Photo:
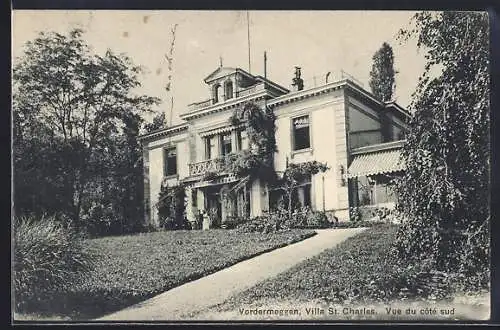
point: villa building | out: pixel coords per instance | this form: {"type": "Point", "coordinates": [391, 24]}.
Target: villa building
{"type": "Point", "coordinates": [338, 123]}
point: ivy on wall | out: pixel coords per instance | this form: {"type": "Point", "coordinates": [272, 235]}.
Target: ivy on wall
{"type": "Point", "coordinates": [257, 162]}
{"type": "Point", "coordinates": [260, 128]}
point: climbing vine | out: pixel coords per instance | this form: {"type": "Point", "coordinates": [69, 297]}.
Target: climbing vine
{"type": "Point", "coordinates": [294, 175]}
{"type": "Point", "coordinates": [260, 128]}
{"type": "Point", "coordinates": [258, 160]}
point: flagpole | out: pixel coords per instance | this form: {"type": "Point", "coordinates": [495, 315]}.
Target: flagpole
{"type": "Point", "coordinates": [248, 38]}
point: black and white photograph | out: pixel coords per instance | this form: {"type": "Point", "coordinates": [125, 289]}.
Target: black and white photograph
{"type": "Point", "coordinates": [250, 165]}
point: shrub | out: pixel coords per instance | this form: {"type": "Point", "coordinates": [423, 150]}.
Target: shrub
{"type": "Point", "coordinates": [317, 219]}
{"type": "Point", "coordinates": [370, 213]}
{"type": "Point", "coordinates": [259, 224]}
{"type": "Point", "coordinates": [354, 214]}
{"type": "Point", "coordinates": [306, 218]}
{"type": "Point", "coordinates": [47, 257]}
{"type": "Point", "coordinates": [303, 218]}
{"type": "Point", "coordinates": [233, 222]}
{"type": "Point", "coordinates": [99, 220]}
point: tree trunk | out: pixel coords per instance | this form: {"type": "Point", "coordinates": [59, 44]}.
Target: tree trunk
{"type": "Point", "coordinates": [290, 194]}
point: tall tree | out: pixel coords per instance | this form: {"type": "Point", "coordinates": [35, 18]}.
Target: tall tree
{"type": "Point", "coordinates": [70, 108]}
{"type": "Point", "coordinates": [444, 195]}
{"type": "Point", "coordinates": [382, 75]}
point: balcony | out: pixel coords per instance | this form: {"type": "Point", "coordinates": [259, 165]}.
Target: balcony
{"type": "Point", "coordinates": [215, 165]}
{"type": "Point", "coordinates": [199, 105]}
{"type": "Point", "coordinates": [250, 90]}
{"type": "Point", "coordinates": [239, 93]}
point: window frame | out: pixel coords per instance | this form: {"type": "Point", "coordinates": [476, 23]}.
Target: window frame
{"type": "Point", "coordinates": [228, 83]}
{"type": "Point", "coordinates": [309, 148]}
{"type": "Point", "coordinates": [166, 161]}
{"type": "Point", "coordinates": [222, 144]}
{"type": "Point", "coordinates": [208, 147]}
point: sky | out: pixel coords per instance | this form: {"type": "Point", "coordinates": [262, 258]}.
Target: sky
{"type": "Point", "coordinates": [317, 41]}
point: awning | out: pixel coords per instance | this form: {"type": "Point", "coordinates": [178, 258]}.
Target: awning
{"type": "Point", "coordinates": [219, 130]}
{"type": "Point", "coordinates": [197, 181]}
{"type": "Point", "coordinates": [373, 163]}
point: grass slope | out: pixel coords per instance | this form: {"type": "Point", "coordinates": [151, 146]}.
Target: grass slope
{"type": "Point", "coordinates": [332, 276]}
{"type": "Point", "coordinates": [133, 268]}
{"type": "Point", "coordinates": [345, 276]}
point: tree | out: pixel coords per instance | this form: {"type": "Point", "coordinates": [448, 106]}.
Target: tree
{"type": "Point", "coordinates": [72, 111]}
{"type": "Point", "coordinates": [382, 75]}
{"type": "Point", "coordinates": [295, 174]}
{"type": "Point", "coordinates": [157, 123]}
{"type": "Point", "coordinates": [444, 194]}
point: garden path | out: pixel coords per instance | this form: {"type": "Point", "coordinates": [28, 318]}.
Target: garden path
{"type": "Point", "coordinates": [217, 287]}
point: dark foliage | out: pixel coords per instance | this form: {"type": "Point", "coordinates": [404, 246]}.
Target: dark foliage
{"type": "Point", "coordinates": [48, 257]}
{"type": "Point", "coordinates": [76, 123]}
{"type": "Point", "coordinates": [444, 194]}
{"type": "Point", "coordinates": [382, 75]}
{"type": "Point", "coordinates": [171, 208]}
{"type": "Point", "coordinates": [257, 162]}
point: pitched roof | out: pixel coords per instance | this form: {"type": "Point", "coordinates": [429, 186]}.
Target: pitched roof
{"type": "Point", "coordinates": [224, 71]}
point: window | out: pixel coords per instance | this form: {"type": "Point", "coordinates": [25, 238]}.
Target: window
{"type": "Point", "coordinates": [216, 93]}
{"type": "Point", "coordinates": [226, 144]}
{"type": "Point", "coordinates": [238, 140]}
{"type": "Point", "coordinates": [301, 197]}
{"type": "Point", "coordinates": [194, 198]}
{"type": "Point", "coordinates": [305, 193]}
{"type": "Point", "coordinates": [244, 140]}
{"type": "Point", "coordinates": [228, 90]}
{"type": "Point", "coordinates": [301, 134]}
{"type": "Point", "coordinates": [169, 161]}
{"type": "Point", "coordinates": [210, 148]}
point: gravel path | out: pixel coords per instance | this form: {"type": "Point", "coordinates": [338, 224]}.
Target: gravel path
{"type": "Point", "coordinates": [217, 287]}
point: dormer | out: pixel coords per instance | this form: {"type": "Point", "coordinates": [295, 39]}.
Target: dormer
{"type": "Point", "coordinates": [229, 87]}
{"type": "Point", "coordinates": [226, 83]}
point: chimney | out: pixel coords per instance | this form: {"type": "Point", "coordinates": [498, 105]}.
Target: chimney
{"type": "Point", "coordinates": [298, 83]}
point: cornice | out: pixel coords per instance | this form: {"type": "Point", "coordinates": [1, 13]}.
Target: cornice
{"type": "Point", "coordinates": [233, 103]}
{"type": "Point", "coordinates": [163, 132]}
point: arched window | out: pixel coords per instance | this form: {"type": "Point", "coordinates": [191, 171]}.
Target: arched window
{"type": "Point", "coordinates": [216, 93]}
{"type": "Point", "coordinates": [228, 89]}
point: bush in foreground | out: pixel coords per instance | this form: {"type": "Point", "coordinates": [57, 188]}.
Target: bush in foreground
{"type": "Point", "coordinates": [47, 257]}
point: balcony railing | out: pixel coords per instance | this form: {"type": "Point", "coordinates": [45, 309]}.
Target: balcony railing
{"type": "Point", "coordinates": [199, 105]}
{"type": "Point", "coordinates": [215, 165]}
{"type": "Point", "coordinates": [250, 90]}
{"type": "Point", "coordinates": [240, 93]}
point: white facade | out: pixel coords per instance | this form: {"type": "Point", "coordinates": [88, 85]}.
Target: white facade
{"type": "Point", "coordinates": [324, 123]}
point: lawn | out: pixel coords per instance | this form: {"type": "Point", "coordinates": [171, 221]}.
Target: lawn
{"type": "Point", "coordinates": [344, 276]}
{"type": "Point", "coordinates": [332, 276]}
{"type": "Point", "coordinates": [136, 267]}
